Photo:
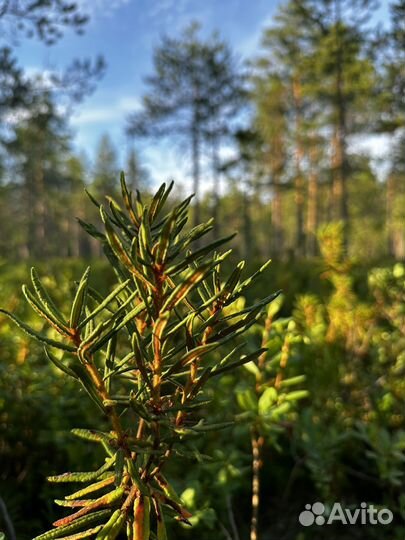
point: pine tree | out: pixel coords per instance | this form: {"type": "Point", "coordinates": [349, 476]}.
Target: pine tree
{"type": "Point", "coordinates": [391, 122]}
{"type": "Point", "coordinates": [105, 167]}
{"type": "Point", "coordinates": [270, 97]}
{"type": "Point", "coordinates": [192, 93]}
{"type": "Point", "coordinates": [285, 54]}
{"type": "Point", "coordinates": [226, 99]}
{"type": "Point", "coordinates": [343, 77]}
{"type": "Point", "coordinates": [45, 21]}
{"type": "Point", "coordinates": [136, 175]}
{"type": "Point", "coordinates": [38, 148]}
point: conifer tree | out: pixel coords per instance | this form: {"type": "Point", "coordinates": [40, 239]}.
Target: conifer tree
{"type": "Point", "coordinates": [194, 90]}
{"type": "Point", "coordinates": [105, 167]}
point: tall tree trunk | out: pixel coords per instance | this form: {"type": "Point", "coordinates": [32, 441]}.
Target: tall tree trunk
{"type": "Point", "coordinates": [395, 228]}
{"type": "Point", "coordinates": [38, 243]}
{"type": "Point", "coordinates": [390, 198]}
{"type": "Point", "coordinates": [195, 141]}
{"type": "Point", "coordinates": [247, 225]}
{"type": "Point", "coordinates": [216, 186]}
{"type": "Point", "coordinates": [277, 217]}
{"type": "Point", "coordinates": [312, 212]}
{"type": "Point", "coordinates": [73, 231]}
{"type": "Point", "coordinates": [339, 183]}
{"type": "Point", "coordinates": [299, 179]}
{"type": "Point", "coordinates": [30, 213]}
{"type": "Point", "coordinates": [399, 243]}
{"type": "Point", "coordinates": [339, 164]}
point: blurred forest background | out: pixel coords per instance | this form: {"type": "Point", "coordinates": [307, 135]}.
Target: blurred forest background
{"type": "Point", "coordinates": [281, 149]}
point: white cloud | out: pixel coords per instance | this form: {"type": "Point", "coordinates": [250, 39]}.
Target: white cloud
{"type": "Point", "coordinates": [250, 44]}
{"type": "Point", "coordinates": [93, 115]}
{"type": "Point", "coordinates": [108, 112]}
{"type": "Point", "coordinates": [173, 15]}
{"type": "Point", "coordinates": [130, 103]}
{"type": "Point", "coordinates": [103, 8]}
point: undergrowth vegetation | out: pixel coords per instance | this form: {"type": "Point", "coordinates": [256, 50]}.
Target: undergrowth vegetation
{"type": "Point", "coordinates": [338, 345]}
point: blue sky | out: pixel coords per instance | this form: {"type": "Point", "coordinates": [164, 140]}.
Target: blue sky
{"type": "Point", "coordinates": [125, 32]}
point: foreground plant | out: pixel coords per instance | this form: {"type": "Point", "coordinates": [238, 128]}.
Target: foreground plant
{"type": "Point", "coordinates": [141, 354]}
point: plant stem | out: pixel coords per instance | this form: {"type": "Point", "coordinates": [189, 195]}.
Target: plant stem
{"type": "Point", "coordinates": [257, 441]}
{"type": "Point", "coordinates": [257, 444]}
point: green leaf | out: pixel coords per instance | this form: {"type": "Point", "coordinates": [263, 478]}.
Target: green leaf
{"type": "Point", "coordinates": [242, 361]}
{"type": "Point", "coordinates": [295, 396]}
{"type": "Point", "coordinates": [134, 473]}
{"type": "Point", "coordinates": [93, 199]}
{"type": "Point", "coordinates": [74, 527]}
{"type": "Point", "coordinates": [189, 356]}
{"type": "Point", "coordinates": [159, 200]}
{"type": "Point", "coordinates": [144, 255]}
{"type": "Point", "coordinates": [119, 250]}
{"type": "Point", "coordinates": [116, 315]}
{"type": "Point", "coordinates": [164, 240]}
{"type": "Point", "coordinates": [245, 284]}
{"type": "Point", "coordinates": [198, 254]}
{"type": "Point", "coordinates": [197, 232]}
{"type": "Point", "coordinates": [202, 427]}
{"type": "Point", "coordinates": [46, 300]}
{"type": "Point", "coordinates": [88, 385]}
{"type": "Point", "coordinates": [126, 195]}
{"type": "Point", "coordinates": [112, 528]}
{"type": "Point", "coordinates": [39, 337]}
{"type": "Point", "coordinates": [59, 364]}
{"type": "Point", "coordinates": [278, 412]}
{"type": "Point", "coordinates": [285, 383]}
{"type": "Point", "coordinates": [79, 300]}
{"type": "Point", "coordinates": [38, 308]}
{"type": "Point", "coordinates": [101, 484]}
{"type": "Point", "coordinates": [275, 306]}
{"type": "Point", "coordinates": [83, 476]}
{"type": "Point", "coordinates": [267, 400]}
{"type": "Point", "coordinates": [120, 218]}
{"type": "Point", "coordinates": [158, 329]}
{"type": "Point", "coordinates": [91, 230]}
{"type": "Point", "coordinates": [242, 324]}
{"type": "Point", "coordinates": [183, 289]}
{"type": "Point", "coordinates": [83, 534]}
{"type": "Point", "coordinates": [161, 527]}
{"type": "Point", "coordinates": [233, 279]}
{"type": "Point", "coordinates": [249, 309]}
{"type": "Point", "coordinates": [247, 399]}
{"type": "Point", "coordinates": [123, 322]}
{"type": "Point", "coordinates": [253, 368]}
{"type": "Point", "coordinates": [90, 435]}
{"type": "Point", "coordinates": [139, 359]}
{"type": "Point", "coordinates": [109, 361]}
{"type": "Point", "coordinates": [105, 500]}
